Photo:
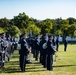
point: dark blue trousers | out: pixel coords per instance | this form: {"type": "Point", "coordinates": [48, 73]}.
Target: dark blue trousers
{"type": "Point", "coordinates": [44, 61]}
{"type": "Point", "coordinates": [37, 53]}
{"type": "Point", "coordinates": [65, 47]}
{"type": "Point", "coordinates": [23, 62]}
{"type": "Point", "coordinates": [49, 62]}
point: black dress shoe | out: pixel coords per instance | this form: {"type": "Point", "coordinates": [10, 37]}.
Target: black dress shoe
{"type": "Point", "coordinates": [23, 70]}
{"type": "Point", "coordinates": [50, 69]}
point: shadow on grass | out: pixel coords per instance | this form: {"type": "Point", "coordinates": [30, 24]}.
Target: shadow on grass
{"type": "Point", "coordinates": [64, 66]}
{"type": "Point", "coordinates": [13, 67]}
{"type": "Point", "coordinates": [15, 56]}
{"type": "Point", "coordinates": [13, 63]}
{"type": "Point", "coordinates": [17, 70]}
{"type": "Point", "coordinates": [10, 70]}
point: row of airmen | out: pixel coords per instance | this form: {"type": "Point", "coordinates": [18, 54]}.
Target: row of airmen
{"type": "Point", "coordinates": [7, 47]}
{"type": "Point", "coordinates": [47, 46]}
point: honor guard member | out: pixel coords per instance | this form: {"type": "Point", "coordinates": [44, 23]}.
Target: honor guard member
{"type": "Point", "coordinates": [4, 42]}
{"type": "Point", "coordinates": [50, 52]}
{"type": "Point", "coordinates": [19, 48]}
{"type": "Point", "coordinates": [37, 47]}
{"type": "Point", "coordinates": [23, 52]}
{"type": "Point", "coordinates": [54, 45]}
{"type": "Point", "coordinates": [54, 40]}
{"type": "Point", "coordinates": [4, 45]}
{"type": "Point", "coordinates": [65, 42]}
{"type": "Point", "coordinates": [19, 44]}
{"type": "Point", "coordinates": [57, 42]}
{"type": "Point", "coordinates": [13, 44]}
{"type": "Point", "coordinates": [33, 47]}
{"type": "Point", "coordinates": [43, 50]}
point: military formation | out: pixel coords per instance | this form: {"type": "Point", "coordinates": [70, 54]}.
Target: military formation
{"type": "Point", "coordinates": [42, 47]}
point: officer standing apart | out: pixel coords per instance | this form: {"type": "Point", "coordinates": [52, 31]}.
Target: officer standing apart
{"type": "Point", "coordinates": [65, 43]}
{"type": "Point", "coordinates": [23, 52]}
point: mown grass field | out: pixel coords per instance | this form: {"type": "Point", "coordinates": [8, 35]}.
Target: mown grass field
{"type": "Point", "coordinates": [65, 65]}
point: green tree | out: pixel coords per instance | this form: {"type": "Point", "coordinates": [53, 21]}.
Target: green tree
{"type": "Point", "coordinates": [34, 29]}
{"type": "Point", "coordinates": [64, 27]}
{"type": "Point", "coordinates": [13, 30]}
{"type": "Point", "coordinates": [71, 20]}
{"type": "Point", "coordinates": [4, 22]}
{"type": "Point", "coordinates": [72, 30]}
{"type": "Point", "coordinates": [75, 33]}
{"type": "Point", "coordinates": [2, 30]}
{"type": "Point", "coordinates": [45, 25]}
{"type": "Point", "coordinates": [21, 21]}
{"type": "Point", "coordinates": [57, 26]}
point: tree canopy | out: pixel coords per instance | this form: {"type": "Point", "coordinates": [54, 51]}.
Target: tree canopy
{"type": "Point", "coordinates": [23, 23]}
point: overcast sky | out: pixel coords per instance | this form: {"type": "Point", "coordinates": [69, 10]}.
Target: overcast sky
{"type": "Point", "coordinates": [38, 9]}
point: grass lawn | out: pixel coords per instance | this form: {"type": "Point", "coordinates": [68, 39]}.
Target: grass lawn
{"type": "Point", "coordinates": [65, 65]}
